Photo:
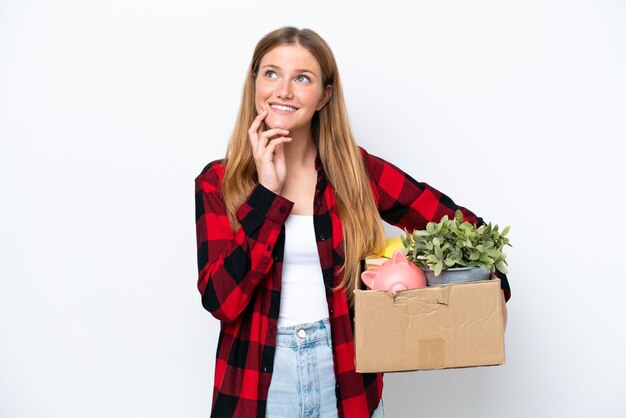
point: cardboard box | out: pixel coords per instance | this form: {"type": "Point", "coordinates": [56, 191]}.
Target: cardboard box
{"type": "Point", "coordinates": [439, 327]}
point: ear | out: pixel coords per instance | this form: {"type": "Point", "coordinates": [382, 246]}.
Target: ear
{"type": "Point", "coordinates": [399, 258]}
{"type": "Point", "coordinates": [328, 91]}
{"type": "Point", "coordinates": [368, 277]}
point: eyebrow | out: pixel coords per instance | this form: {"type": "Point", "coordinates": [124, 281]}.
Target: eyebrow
{"type": "Point", "coordinates": [298, 70]}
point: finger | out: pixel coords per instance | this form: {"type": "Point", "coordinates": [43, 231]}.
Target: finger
{"type": "Point", "coordinates": [268, 154]}
{"type": "Point", "coordinates": [253, 131]}
{"type": "Point", "coordinates": [261, 118]}
{"type": "Point", "coordinates": [274, 132]}
{"type": "Point", "coordinates": [265, 136]}
{"type": "Point", "coordinates": [258, 120]}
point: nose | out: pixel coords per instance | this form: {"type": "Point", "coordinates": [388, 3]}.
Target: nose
{"type": "Point", "coordinates": [284, 90]}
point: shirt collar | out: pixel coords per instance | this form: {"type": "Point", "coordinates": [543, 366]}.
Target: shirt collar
{"type": "Point", "coordinates": [318, 162]}
{"type": "Point", "coordinates": [321, 174]}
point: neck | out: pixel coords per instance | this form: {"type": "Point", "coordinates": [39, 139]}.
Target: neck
{"type": "Point", "coordinates": [300, 152]}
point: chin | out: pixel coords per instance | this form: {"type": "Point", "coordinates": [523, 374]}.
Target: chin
{"type": "Point", "coordinates": [271, 124]}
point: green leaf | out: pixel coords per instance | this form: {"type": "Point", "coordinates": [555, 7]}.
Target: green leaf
{"type": "Point", "coordinates": [455, 229]}
{"type": "Point", "coordinates": [438, 268]}
{"type": "Point", "coordinates": [493, 253]}
{"type": "Point", "coordinates": [501, 266]}
{"type": "Point", "coordinates": [419, 244]}
{"type": "Point", "coordinates": [449, 262]}
{"type": "Point", "coordinates": [421, 233]}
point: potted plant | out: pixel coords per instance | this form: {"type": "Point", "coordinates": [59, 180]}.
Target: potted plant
{"type": "Point", "coordinates": [453, 250]}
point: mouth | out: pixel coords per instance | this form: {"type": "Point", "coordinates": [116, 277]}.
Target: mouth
{"type": "Point", "coordinates": [283, 108]}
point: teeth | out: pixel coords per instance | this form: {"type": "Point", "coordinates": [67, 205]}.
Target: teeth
{"type": "Point", "coordinates": [286, 108]}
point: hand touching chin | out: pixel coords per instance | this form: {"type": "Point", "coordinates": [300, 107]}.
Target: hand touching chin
{"type": "Point", "coordinates": [272, 123]}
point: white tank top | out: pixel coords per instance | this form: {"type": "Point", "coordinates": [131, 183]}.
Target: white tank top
{"type": "Point", "coordinates": [303, 296]}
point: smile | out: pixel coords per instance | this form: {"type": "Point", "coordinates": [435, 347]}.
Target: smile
{"type": "Point", "coordinates": [284, 108]}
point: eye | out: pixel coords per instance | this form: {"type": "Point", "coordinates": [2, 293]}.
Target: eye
{"type": "Point", "coordinates": [303, 79]}
{"type": "Point", "coordinates": [271, 74]}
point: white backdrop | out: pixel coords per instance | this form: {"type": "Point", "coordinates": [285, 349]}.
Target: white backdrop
{"type": "Point", "coordinates": [109, 109]}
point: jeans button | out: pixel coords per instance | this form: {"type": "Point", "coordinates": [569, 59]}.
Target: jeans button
{"type": "Point", "coordinates": [301, 333]}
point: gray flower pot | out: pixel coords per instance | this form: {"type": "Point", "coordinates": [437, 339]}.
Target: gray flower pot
{"type": "Point", "coordinates": [456, 275]}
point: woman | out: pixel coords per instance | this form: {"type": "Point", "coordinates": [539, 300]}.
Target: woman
{"type": "Point", "coordinates": [282, 224]}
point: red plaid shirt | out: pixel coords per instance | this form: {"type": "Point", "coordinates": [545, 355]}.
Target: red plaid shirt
{"type": "Point", "coordinates": [240, 280]}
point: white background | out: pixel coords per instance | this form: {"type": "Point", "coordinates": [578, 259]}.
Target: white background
{"type": "Point", "coordinates": [109, 109]}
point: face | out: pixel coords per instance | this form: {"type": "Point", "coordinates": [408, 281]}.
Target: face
{"type": "Point", "coordinates": [289, 85]}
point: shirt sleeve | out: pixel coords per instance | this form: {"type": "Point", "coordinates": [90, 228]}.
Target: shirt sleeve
{"type": "Point", "coordinates": [406, 203]}
{"type": "Point", "coordinates": [231, 265]}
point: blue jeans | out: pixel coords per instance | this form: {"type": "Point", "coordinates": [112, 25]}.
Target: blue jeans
{"type": "Point", "coordinates": [303, 380]}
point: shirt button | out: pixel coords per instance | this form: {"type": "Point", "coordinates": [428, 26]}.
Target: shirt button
{"type": "Point", "coordinates": [318, 203]}
{"type": "Point", "coordinates": [332, 311]}
{"type": "Point", "coordinates": [301, 333]}
{"type": "Point", "coordinates": [269, 248]}
{"type": "Point", "coordinates": [322, 238]}
{"type": "Point", "coordinates": [282, 210]}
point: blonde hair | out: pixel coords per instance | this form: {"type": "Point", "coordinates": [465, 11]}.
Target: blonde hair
{"type": "Point", "coordinates": [363, 232]}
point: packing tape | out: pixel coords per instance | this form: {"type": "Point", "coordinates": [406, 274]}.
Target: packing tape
{"type": "Point", "coordinates": [437, 295]}
{"type": "Point", "coordinates": [444, 295]}
{"type": "Point", "coordinates": [430, 353]}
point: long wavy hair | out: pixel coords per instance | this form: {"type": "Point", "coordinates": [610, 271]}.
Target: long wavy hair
{"type": "Point", "coordinates": [362, 227]}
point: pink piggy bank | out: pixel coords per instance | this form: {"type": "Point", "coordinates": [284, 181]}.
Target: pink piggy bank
{"type": "Point", "coordinates": [394, 275]}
